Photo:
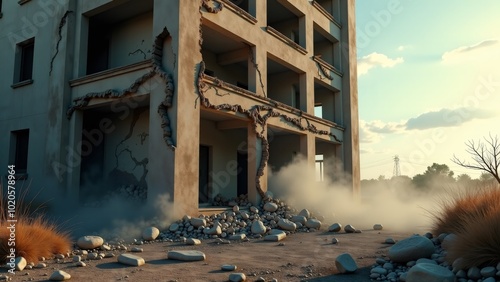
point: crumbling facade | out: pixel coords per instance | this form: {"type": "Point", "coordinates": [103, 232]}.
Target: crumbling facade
{"type": "Point", "coordinates": [190, 98]}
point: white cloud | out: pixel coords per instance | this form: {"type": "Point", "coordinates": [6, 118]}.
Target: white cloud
{"type": "Point", "coordinates": [371, 131]}
{"type": "Point", "coordinates": [447, 118]}
{"type": "Point", "coordinates": [472, 51]}
{"type": "Point", "coordinates": [376, 60]}
{"type": "Point", "coordinates": [403, 47]}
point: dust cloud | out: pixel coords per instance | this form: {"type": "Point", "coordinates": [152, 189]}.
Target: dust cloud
{"type": "Point", "coordinates": [402, 209]}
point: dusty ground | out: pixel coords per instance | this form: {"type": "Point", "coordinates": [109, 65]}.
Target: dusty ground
{"type": "Point", "coordinates": [304, 257]}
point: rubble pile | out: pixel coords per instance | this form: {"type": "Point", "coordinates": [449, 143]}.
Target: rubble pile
{"type": "Point", "coordinates": [423, 258]}
{"type": "Point", "coordinates": [246, 219]}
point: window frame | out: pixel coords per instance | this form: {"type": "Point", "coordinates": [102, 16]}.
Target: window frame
{"type": "Point", "coordinates": [24, 64]}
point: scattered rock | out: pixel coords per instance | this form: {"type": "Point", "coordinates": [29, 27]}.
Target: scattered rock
{"type": "Point", "coordinates": [345, 263]}
{"type": "Point", "coordinates": [80, 264]}
{"type": "Point", "coordinates": [258, 227]}
{"type": "Point", "coordinates": [488, 271]}
{"type": "Point", "coordinates": [275, 237]}
{"type": "Point", "coordinates": [474, 273]}
{"type": "Point", "coordinates": [59, 275]}
{"type": "Point", "coordinates": [336, 227]}
{"type": "Point", "coordinates": [237, 277]}
{"type": "Point", "coordinates": [236, 208]}
{"type": "Point", "coordinates": [300, 219]}
{"type": "Point", "coordinates": [215, 230]}
{"type": "Point", "coordinates": [377, 227]}
{"type": "Point", "coordinates": [429, 273]}
{"type": "Point", "coordinates": [150, 233]}
{"type": "Point", "coordinates": [192, 241]}
{"type": "Point", "coordinates": [228, 267]}
{"type": "Point", "coordinates": [89, 242]}
{"type": "Point", "coordinates": [240, 236]}
{"type": "Point", "coordinates": [305, 213]}
{"type": "Point", "coordinates": [41, 265]}
{"type": "Point", "coordinates": [129, 259]}
{"type": "Point", "coordinates": [77, 258]}
{"type": "Point", "coordinates": [186, 255]}
{"type": "Point", "coordinates": [448, 241]}
{"type": "Point", "coordinates": [20, 263]}
{"type": "Point", "coordinates": [137, 250]}
{"type": "Point", "coordinates": [390, 241]}
{"type": "Point", "coordinates": [313, 223]}
{"type": "Point", "coordinates": [286, 224]}
{"type": "Point", "coordinates": [411, 248]}
{"type": "Point", "coordinates": [270, 207]}
{"type": "Point", "coordinates": [349, 229]}
{"type": "Point", "coordinates": [197, 222]}
{"type": "Point", "coordinates": [335, 240]}
{"type": "Point", "coordinates": [173, 227]}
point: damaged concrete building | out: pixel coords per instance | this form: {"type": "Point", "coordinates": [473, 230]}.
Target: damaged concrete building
{"type": "Point", "coordinates": [190, 98]}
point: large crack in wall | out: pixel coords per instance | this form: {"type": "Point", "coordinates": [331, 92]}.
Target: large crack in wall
{"type": "Point", "coordinates": [62, 22]}
{"type": "Point", "coordinates": [253, 113]}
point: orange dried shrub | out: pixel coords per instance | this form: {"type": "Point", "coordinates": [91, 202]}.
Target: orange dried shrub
{"type": "Point", "coordinates": [474, 216]}
{"type": "Point", "coordinates": [34, 239]}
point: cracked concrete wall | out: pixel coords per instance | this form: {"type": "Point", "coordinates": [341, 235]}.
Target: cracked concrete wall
{"type": "Point", "coordinates": [127, 150]}
{"type": "Point", "coordinates": [129, 36]}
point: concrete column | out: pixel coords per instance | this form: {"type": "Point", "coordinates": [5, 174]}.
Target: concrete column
{"type": "Point", "coordinates": [308, 148]}
{"type": "Point", "coordinates": [257, 71]}
{"type": "Point", "coordinates": [73, 158]}
{"type": "Point", "coordinates": [307, 92]}
{"type": "Point", "coordinates": [254, 158]}
{"type": "Point", "coordinates": [350, 94]}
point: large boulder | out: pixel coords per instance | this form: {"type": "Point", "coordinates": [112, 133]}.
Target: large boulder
{"type": "Point", "coordinates": [411, 248]}
{"type": "Point", "coordinates": [286, 224]}
{"type": "Point", "coordinates": [258, 227]}
{"type": "Point", "coordinates": [150, 233]}
{"type": "Point", "coordinates": [429, 272]}
{"type": "Point", "coordinates": [345, 263]}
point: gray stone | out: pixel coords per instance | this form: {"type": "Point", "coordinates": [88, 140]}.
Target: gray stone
{"type": "Point", "coordinates": [276, 231]}
{"type": "Point", "coordinates": [244, 215]}
{"type": "Point", "coordinates": [137, 250]}
{"type": "Point", "coordinates": [429, 273]}
{"type": "Point", "coordinates": [489, 279]}
{"type": "Point", "coordinates": [215, 230]}
{"type": "Point", "coordinates": [336, 227]}
{"type": "Point", "coordinates": [335, 241]}
{"type": "Point", "coordinates": [305, 213]}
{"type": "Point", "coordinates": [349, 229]}
{"type": "Point", "coordinates": [59, 275]}
{"type": "Point", "coordinates": [275, 237]}
{"type": "Point", "coordinates": [89, 242]}
{"type": "Point", "coordinates": [237, 277]}
{"type": "Point", "coordinates": [345, 263]}
{"type": "Point", "coordinates": [390, 241]}
{"type": "Point", "coordinates": [270, 207]}
{"type": "Point", "coordinates": [192, 241]}
{"type": "Point", "coordinates": [240, 236]}
{"type": "Point", "coordinates": [258, 227]}
{"type": "Point", "coordinates": [228, 267]}
{"type": "Point", "coordinates": [129, 259]}
{"type": "Point", "coordinates": [474, 273]}
{"type": "Point", "coordinates": [286, 224]}
{"type": "Point", "coordinates": [457, 263]}
{"type": "Point", "coordinates": [379, 270]}
{"type": "Point", "coordinates": [41, 265]}
{"type": "Point", "coordinates": [150, 233]}
{"type": "Point", "coordinates": [173, 227]}
{"type": "Point", "coordinates": [80, 264]}
{"type": "Point", "coordinates": [411, 248]}
{"type": "Point", "coordinates": [425, 260]}
{"type": "Point", "coordinates": [236, 208]}
{"type": "Point", "coordinates": [448, 241]}
{"type": "Point", "coordinates": [254, 209]}
{"type": "Point", "coordinates": [299, 218]}
{"type": "Point", "coordinates": [488, 271]}
{"type": "Point", "coordinates": [197, 222]}
{"type": "Point", "coordinates": [77, 258]}
{"type": "Point", "coordinates": [186, 255]}
{"type": "Point", "coordinates": [378, 227]}
{"type": "Point", "coordinates": [93, 256]}
{"type": "Point", "coordinates": [313, 223]}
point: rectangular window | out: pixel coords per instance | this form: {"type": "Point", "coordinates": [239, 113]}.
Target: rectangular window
{"type": "Point", "coordinates": [20, 142]}
{"type": "Point", "coordinates": [0, 8]}
{"type": "Point", "coordinates": [24, 61]}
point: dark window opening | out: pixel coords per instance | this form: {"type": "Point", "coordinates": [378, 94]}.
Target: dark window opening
{"type": "Point", "coordinates": [24, 61]}
{"type": "Point", "coordinates": [242, 85]}
{"type": "Point", "coordinates": [98, 49]}
{"type": "Point", "coordinates": [242, 177]}
{"type": "Point", "coordinates": [209, 72]}
{"type": "Point", "coordinates": [204, 179]}
{"type": "Point", "coordinates": [21, 142]}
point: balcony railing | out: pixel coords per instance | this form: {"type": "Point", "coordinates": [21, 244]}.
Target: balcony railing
{"type": "Point", "coordinates": [286, 40]}
{"type": "Point", "coordinates": [325, 13]}
{"type": "Point", "coordinates": [239, 11]}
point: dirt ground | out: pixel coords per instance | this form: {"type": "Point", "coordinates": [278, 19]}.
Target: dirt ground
{"type": "Point", "coordinates": [300, 257]}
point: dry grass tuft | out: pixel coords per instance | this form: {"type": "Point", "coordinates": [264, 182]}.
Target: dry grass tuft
{"type": "Point", "coordinates": [478, 244]}
{"type": "Point", "coordinates": [35, 236]}
{"type": "Point", "coordinates": [474, 216]}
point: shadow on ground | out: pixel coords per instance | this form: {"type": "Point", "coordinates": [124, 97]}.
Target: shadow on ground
{"type": "Point", "coordinates": [361, 275]}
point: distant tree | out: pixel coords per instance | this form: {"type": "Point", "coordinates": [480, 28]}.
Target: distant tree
{"type": "Point", "coordinates": [464, 178]}
{"type": "Point", "coordinates": [439, 174]}
{"type": "Point", "coordinates": [485, 156]}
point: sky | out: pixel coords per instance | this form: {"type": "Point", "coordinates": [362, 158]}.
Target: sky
{"type": "Point", "coordinates": [428, 81]}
